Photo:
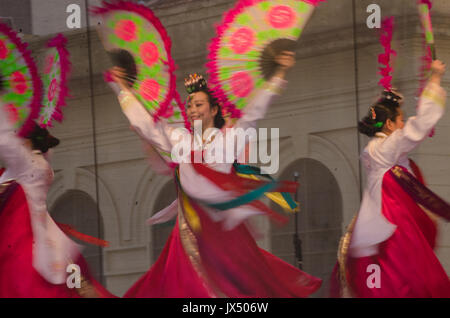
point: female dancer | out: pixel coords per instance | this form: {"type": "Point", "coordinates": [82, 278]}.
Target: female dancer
{"type": "Point", "coordinates": [388, 250]}
{"type": "Point", "coordinates": [211, 253]}
{"type": "Point", "coordinates": [34, 252]}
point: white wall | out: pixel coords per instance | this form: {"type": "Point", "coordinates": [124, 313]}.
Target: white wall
{"type": "Point", "coordinates": [50, 16]}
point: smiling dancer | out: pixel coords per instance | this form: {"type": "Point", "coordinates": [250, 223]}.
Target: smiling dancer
{"type": "Point", "coordinates": [211, 252]}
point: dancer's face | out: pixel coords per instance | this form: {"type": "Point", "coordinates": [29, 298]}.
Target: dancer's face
{"type": "Point", "coordinates": [393, 125]}
{"type": "Point", "coordinates": [199, 108]}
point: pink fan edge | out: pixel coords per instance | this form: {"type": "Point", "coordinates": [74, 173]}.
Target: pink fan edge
{"type": "Point", "coordinates": [385, 57]}
{"type": "Point", "coordinates": [212, 68]}
{"type": "Point", "coordinates": [37, 84]}
{"type": "Point", "coordinates": [151, 17]}
{"type": "Point", "coordinates": [59, 42]}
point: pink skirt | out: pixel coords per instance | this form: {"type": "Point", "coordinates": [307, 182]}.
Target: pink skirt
{"type": "Point", "coordinates": [213, 262]}
{"type": "Point", "coordinates": [18, 278]}
{"type": "Point", "coordinates": [408, 265]}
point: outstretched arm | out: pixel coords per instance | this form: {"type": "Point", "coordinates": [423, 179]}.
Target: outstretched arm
{"type": "Point", "coordinates": [257, 107]}
{"type": "Point", "coordinates": [155, 133]}
{"type": "Point", "coordinates": [13, 152]}
{"type": "Point", "coordinates": [429, 112]}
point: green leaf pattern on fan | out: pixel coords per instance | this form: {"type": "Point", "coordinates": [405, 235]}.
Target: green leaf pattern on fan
{"type": "Point", "coordinates": [51, 80]}
{"type": "Point", "coordinates": [17, 81]}
{"type": "Point", "coordinates": [241, 47]}
{"type": "Point", "coordinates": [152, 79]}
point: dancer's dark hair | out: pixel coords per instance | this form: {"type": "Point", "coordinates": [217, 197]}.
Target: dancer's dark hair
{"type": "Point", "coordinates": [41, 139]}
{"type": "Point", "coordinates": [387, 107]}
{"type": "Point", "coordinates": [196, 83]}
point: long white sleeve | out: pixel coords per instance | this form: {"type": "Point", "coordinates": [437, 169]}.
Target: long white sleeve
{"type": "Point", "coordinates": [256, 110]}
{"type": "Point", "coordinates": [52, 249]}
{"type": "Point", "coordinates": [158, 133]}
{"type": "Point", "coordinates": [13, 153]}
{"type": "Point", "coordinates": [257, 107]}
{"type": "Point", "coordinates": [430, 110]}
{"type": "Point", "coordinates": [380, 155]}
{"type": "Point", "coordinates": [32, 171]}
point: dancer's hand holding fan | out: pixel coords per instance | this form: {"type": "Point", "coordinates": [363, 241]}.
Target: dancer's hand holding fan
{"type": "Point", "coordinates": [251, 35]}
{"type": "Point", "coordinates": [138, 43]}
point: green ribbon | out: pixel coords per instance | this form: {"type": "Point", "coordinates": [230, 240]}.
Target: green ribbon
{"type": "Point", "coordinates": [246, 169]}
{"type": "Point", "coordinates": [248, 197]}
{"type": "Point", "coordinates": [243, 199]}
{"type": "Point", "coordinates": [378, 124]}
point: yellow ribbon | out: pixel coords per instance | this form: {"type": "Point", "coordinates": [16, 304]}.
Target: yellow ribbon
{"type": "Point", "coordinates": [191, 216]}
{"type": "Point", "coordinates": [273, 196]}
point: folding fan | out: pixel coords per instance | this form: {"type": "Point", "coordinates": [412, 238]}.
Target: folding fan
{"type": "Point", "coordinates": [22, 87]}
{"type": "Point", "coordinates": [54, 73]}
{"type": "Point", "coordinates": [251, 35]}
{"type": "Point", "coordinates": [137, 41]}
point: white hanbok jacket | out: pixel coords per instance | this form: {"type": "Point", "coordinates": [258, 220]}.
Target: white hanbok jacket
{"type": "Point", "coordinates": [165, 137]}
{"type": "Point", "coordinates": [52, 250]}
{"type": "Point", "coordinates": [381, 154]}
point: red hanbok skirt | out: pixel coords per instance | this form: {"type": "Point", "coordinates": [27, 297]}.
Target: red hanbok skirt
{"type": "Point", "coordinates": [214, 262]}
{"type": "Point", "coordinates": [409, 268]}
{"type": "Point", "coordinates": [18, 278]}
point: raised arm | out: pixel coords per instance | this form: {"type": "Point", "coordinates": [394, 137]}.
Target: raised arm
{"type": "Point", "coordinates": [429, 112]}
{"type": "Point", "coordinates": [13, 152]}
{"type": "Point", "coordinates": [156, 133]}
{"type": "Point", "coordinates": [257, 107]}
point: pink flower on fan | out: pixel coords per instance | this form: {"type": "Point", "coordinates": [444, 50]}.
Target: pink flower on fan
{"type": "Point", "coordinates": [281, 17]}
{"type": "Point", "coordinates": [52, 90]}
{"type": "Point", "coordinates": [48, 64]}
{"type": "Point", "coordinates": [3, 50]}
{"type": "Point", "coordinates": [149, 89]}
{"type": "Point", "coordinates": [18, 82]}
{"type": "Point", "coordinates": [126, 30]}
{"type": "Point", "coordinates": [242, 40]}
{"type": "Point", "coordinates": [241, 84]}
{"type": "Point", "coordinates": [149, 53]}
{"type": "Point", "coordinates": [13, 113]}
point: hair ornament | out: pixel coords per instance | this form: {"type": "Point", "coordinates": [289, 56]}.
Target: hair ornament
{"type": "Point", "coordinates": [195, 83]}
{"type": "Point", "coordinates": [374, 114]}
{"type": "Point", "coordinates": [378, 124]}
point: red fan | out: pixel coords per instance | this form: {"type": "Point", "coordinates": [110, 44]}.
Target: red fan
{"type": "Point", "coordinates": [22, 87]}
{"type": "Point", "coordinates": [385, 58]}
{"type": "Point", "coordinates": [251, 35]}
{"type": "Point", "coordinates": [424, 7]}
{"type": "Point", "coordinates": [138, 42]}
{"type": "Point", "coordinates": [54, 75]}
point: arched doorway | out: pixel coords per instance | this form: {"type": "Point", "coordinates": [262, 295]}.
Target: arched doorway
{"type": "Point", "coordinates": [319, 221]}
{"type": "Point", "coordinates": [161, 232]}
{"type": "Point", "coordinates": [77, 209]}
